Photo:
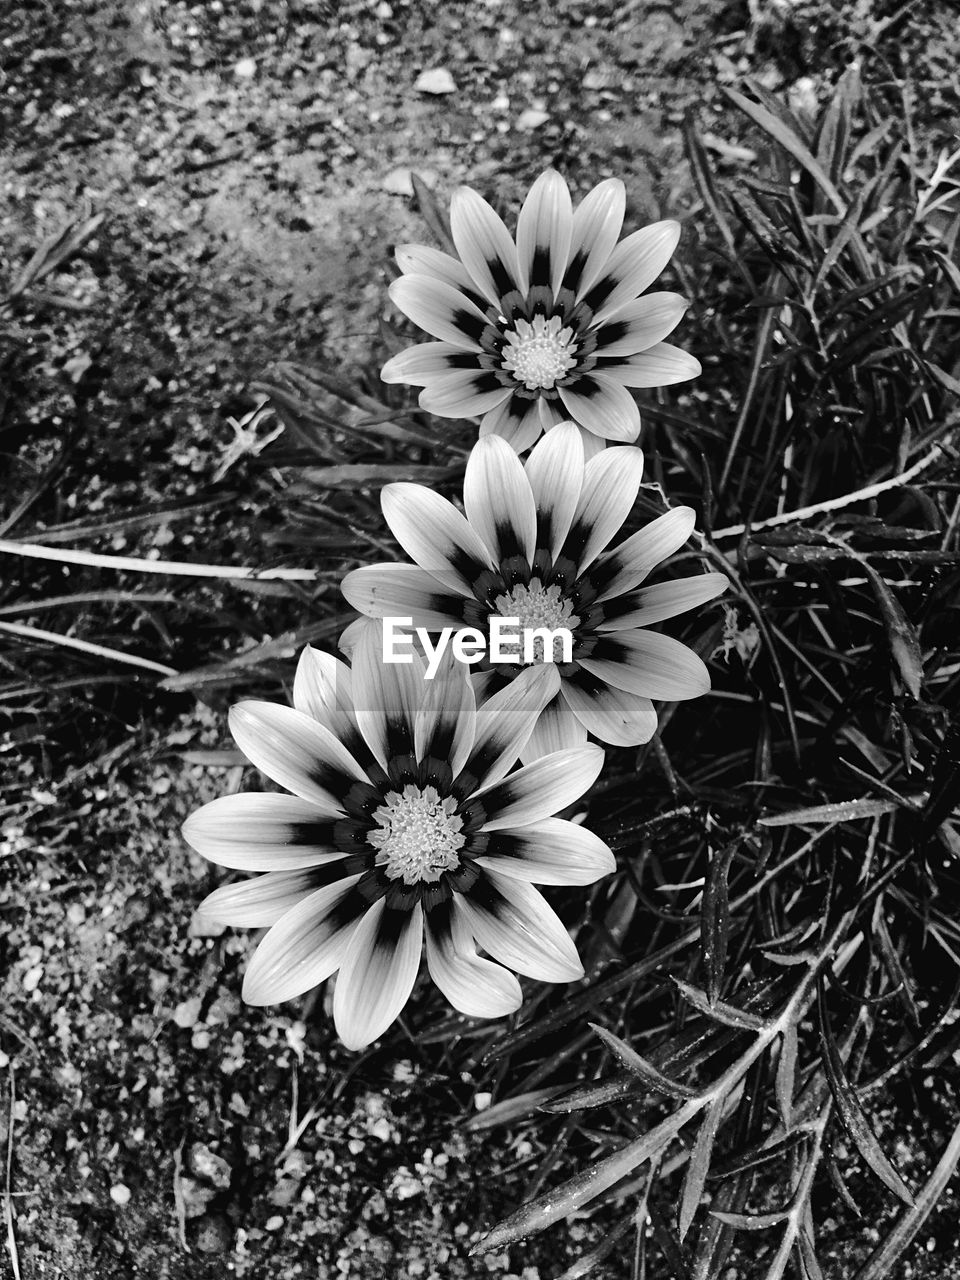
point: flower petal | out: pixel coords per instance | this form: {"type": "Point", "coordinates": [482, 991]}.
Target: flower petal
{"type": "Point", "coordinates": [544, 228]}
{"type": "Point", "coordinates": [517, 926]}
{"type": "Point", "coordinates": [387, 696]}
{"type": "Point", "coordinates": [377, 973]}
{"type": "Point", "coordinates": [640, 324]}
{"type": "Point", "coordinates": [663, 600]}
{"type": "Point", "coordinates": [305, 946]}
{"type": "Point", "coordinates": [626, 566]}
{"type": "Point", "coordinates": [504, 723]}
{"type": "Point", "coordinates": [484, 244]}
{"type": "Point", "coordinates": [498, 500]}
{"type": "Point", "coordinates": [260, 902]}
{"type": "Point", "coordinates": [597, 222]}
{"type": "Point", "coordinates": [446, 725]}
{"type": "Point", "coordinates": [611, 482]}
{"type": "Point", "coordinates": [618, 718]}
{"type": "Point", "coordinates": [555, 474]}
{"type": "Point", "coordinates": [556, 729]}
{"type": "Point", "coordinates": [660, 366]}
{"type": "Point", "coordinates": [323, 689]}
{"type": "Point", "coordinates": [424, 363]}
{"type": "Point", "coordinates": [632, 267]}
{"type": "Point", "coordinates": [424, 260]}
{"type": "Point", "coordinates": [538, 790]}
{"type": "Point", "coordinates": [550, 852]}
{"type": "Point", "coordinates": [516, 420]}
{"type": "Point", "coordinates": [263, 831]}
{"type": "Point", "coordinates": [649, 664]}
{"type": "Point", "coordinates": [602, 405]}
{"type": "Point", "coordinates": [295, 751]}
{"type": "Point", "coordinates": [463, 395]}
{"type": "Point", "coordinates": [440, 309]}
{"type": "Point", "coordinates": [434, 534]}
{"type": "Point", "coordinates": [401, 591]}
{"type": "Point", "coordinates": [477, 987]}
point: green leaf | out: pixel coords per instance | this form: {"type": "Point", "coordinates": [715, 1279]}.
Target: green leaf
{"type": "Point", "coordinates": [641, 1068]}
{"type": "Point", "coordinates": [787, 1073]}
{"type": "Point", "coordinates": [852, 1114]}
{"type": "Point", "coordinates": [434, 215]}
{"type": "Point", "coordinates": [510, 1110]}
{"type": "Point", "coordinates": [751, 1221]}
{"type": "Point", "coordinates": [715, 920]}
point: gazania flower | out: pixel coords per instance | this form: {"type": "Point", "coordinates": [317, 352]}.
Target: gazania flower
{"type": "Point", "coordinates": [549, 327]}
{"type": "Point", "coordinates": [404, 823]}
{"type": "Point", "coordinates": [531, 546]}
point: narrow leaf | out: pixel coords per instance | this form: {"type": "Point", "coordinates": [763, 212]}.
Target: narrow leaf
{"type": "Point", "coordinates": [434, 215]}
{"type": "Point", "coordinates": [715, 920]}
{"type": "Point", "coordinates": [787, 1073]}
{"type": "Point", "coordinates": [848, 1105]}
{"type": "Point", "coordinates": [699, 1166]}
{"type": "Point", "coordinates": [510, 1110]}
{"type": "Point", "coordinates": [913, 1218]}
{"type": "Point", "coordinates": [751, 1221]}
{"type": "Point", "coordinates": [640, 1067]}
{"type": "Point", "coordinates": [901, 633]}
{"type": "Point", "coordinates": [842, 811]}
{"type": "Point", "coordinates": [719, 1010]}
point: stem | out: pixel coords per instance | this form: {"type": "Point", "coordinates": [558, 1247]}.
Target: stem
{"type": "Point", "coordinates": [177, 568]}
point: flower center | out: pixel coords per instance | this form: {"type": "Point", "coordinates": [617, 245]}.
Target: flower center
{"type": "Point", "coordinates": [538, 606]}
{"type": "Point", "coordinates": [418, 836]}
{"type": "Point", "coordinates": [537, 353]}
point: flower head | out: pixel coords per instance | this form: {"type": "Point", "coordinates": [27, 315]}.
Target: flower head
{"type": "Point", "coordinates": [532, 546]}
{"type": "Point", "coordinates": [547, 327]}
{"type": "Point", "coordinates": [404, 824]}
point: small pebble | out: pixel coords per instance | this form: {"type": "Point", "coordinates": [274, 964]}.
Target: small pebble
{"type": "Point", "coordinates": [120, 1194]}
{"type": "Point", "coordinates": [437, 80]}
{"type": "Point", "coordinates": [245, 69]}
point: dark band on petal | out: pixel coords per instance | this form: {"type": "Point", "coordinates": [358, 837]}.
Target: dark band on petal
{"type": "Point", "coordinates": [469, 324]}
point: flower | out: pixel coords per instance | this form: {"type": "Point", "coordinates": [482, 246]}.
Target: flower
{"type": "Point", "coordinates": [531, 546]}
{"type": "Point", "coordinates": [547, 328]}
{"type": "Point", "coordinates": [404, 823]}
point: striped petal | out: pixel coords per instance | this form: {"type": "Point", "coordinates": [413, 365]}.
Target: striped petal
{"type": "Point", "coordinates": [505, 722]}
{"type": "Point", "coordinates": [664, 600]}
{"type": "Point", "coordinates": [660, 366]}
{"type": "Point", "coordinates": [539, 790]}
{"type": "Point", "coordinates": [602, 405]}
{"type": "Point", "coordinates": [323, 689]}
{"type": "Point", "coordinates": [423, 364]}
{"type": "Point", "coordinates": [544, 229]}
{"type": "Point", "coordinates": [260, 902]}
{"type": "Point", "coordinates": [632, 267]}
{"type": "Point", "coordinates": [618, 718]}
{"type": "Point", "coordinates": [477, 987]}
{"type": "Point", "coordinates": [402, 591]}
{"type": "Point", "coordinates": [441, 310]}
{"type": "Point", "coordinates": [611, 482]}
{"type": "Point", "coordinates": [424, 260]}
{"type": "Point", "coordinates": [434, 534]}
{"type": "Point", "coordinates": [295, 751]}
{"type": "Point", "coordinates": [549, 852]}
{"type": "Point", "coordinates": [377, 973]}
{"type": "Point", "coordinates": [463, 394]}
{"type": "Point", "coordinates": [387, 696]}
{"type": "Point", "coordinates": [516, 925]}
{"type": "Point", "coordinates": [305, 946]}
{"type": "Point", "coordinates": [597, 222]}
{"type": "Point", "coordinates": [498, 500]}
{"type": "Point", "coordinates": [626, 566]}
{"type": "Point", "coordinates": [262, 831]}
{"type": "Point", "coordinates": [640, 324]}
{"type": "Point", "coordinates": [516, 420]}
{"type": "Point", "coordinates": [592, 445]}
{"type": "Point", "coordinates": [446, 724]}
{"type": "Point", "coordinates": [557, 728]}
{"type": "Point", "coordinates": [484, 244]}
{"type": "Point", "coordinates": [649, 664]}
{"type": "Point", "coordinates": [555, 474]}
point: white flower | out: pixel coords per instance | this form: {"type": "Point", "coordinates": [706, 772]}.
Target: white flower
{"type": "Point", "coordinates": [548, 327]}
